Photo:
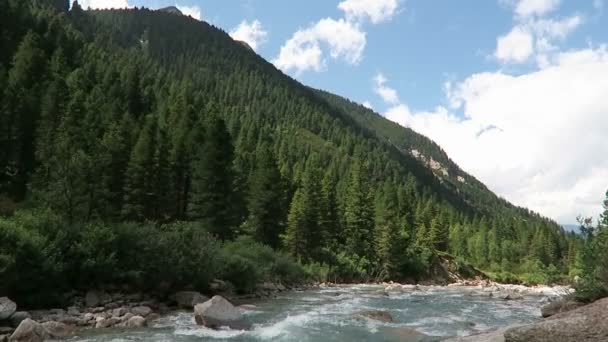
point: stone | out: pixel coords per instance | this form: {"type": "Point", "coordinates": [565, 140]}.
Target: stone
{"type": "Point", "coordinates": [218, 312]}
{"type": "Point", "coordinates": [377, 315]}
{"type": "Point", "coordinates": [561, 305]}
{"type": "Point", "coordinates": [4, 338]}
{"type": "Point", "coordinates": [405, 334]}
{"type": "Point", "coordinates": [73, 311]}
{"type": "Point", "coordinates": [136, 322]}
{"type": "Point", "coordinates": [29, 331]}
{"type": "Point", "coordinates": [188, 299]}
{"type": "Point", "coordinates": [92, 299]}
{"type": "Point", "coordinates": [58, 330]}
{"type": "Point", "coordinates": [119, 312]}
{"type": "Point", "coordinates": [512, 296]}
{"type": "Point", "coordinates": [494, 336]}
{"type": "Point", "coordinates": [152, 317]}
{"type": "Point", "coordinates": [141, 311]}
{"type": "Point", "coordinates": [107, 322]}
{"type": "Point", "coordinates": [18, 317]}
{"type": "Point", "coordinates": [588, 323]}
{"type": "Point", "coordinates": [7, 308]}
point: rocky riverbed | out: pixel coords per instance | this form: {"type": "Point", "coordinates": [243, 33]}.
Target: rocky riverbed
{"type": "Point", "coordinates": [328, 312]}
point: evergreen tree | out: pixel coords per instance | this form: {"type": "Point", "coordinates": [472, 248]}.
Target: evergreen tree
{"type": "Point", "coordinates": [390, 243]}
{"type": "Point", "coordinates": [359, 213]}
{"type": "Point", "coordinates": [212, 181]}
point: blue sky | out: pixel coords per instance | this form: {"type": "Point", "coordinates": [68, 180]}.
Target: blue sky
{"type": "Point", "coordinates": [513, 90]}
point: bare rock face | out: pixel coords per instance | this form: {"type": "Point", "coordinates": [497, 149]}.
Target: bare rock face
{"type": "Point", "coordinates": [7, 308]}
{"type": "Point", "coordinates": [218, 312]}
{"type": "Point", "coordinates": [585, 324]}
{"type": "Point", "coordinates": [559, 306]}
{"type": "Point", "coordinates": [29, 331]}
{"type": "Point", "coordinates": [188, 299]}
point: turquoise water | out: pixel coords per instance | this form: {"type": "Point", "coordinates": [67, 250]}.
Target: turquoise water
{"type": "Point", "coordinates": [330, 315]}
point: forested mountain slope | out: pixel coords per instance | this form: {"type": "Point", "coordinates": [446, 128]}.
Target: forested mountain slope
{"type": "Point", "coordinates": [118, 124]}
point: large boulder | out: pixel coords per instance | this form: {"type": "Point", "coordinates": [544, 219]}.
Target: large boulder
{"type": "Point", "coordinates": [136, 322]}
{"type": "Point", "coordinates": [561, 305]}
{"type": "Point", "coordinates": [58, 330]}
{"type": "Point", "coordinates": [218, 312]}
{"type": "Point", "coordinates": [188, 299]}
{"type": "Point", "coordinates": [585, 324]}
{"type": "Point", "coordinates": [377, 315]}
{"type": "Point", "coordinates": [7, 308]}
{"type": "Point", "coordinates": [29, 331]}
{"type": "Point", "coordinates": [494, 336]}
{"type": "Point", "coordinates": [142, 311]}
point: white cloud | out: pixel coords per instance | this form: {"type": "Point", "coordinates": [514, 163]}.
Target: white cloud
{"type": "Point", "coordinates": [103, 4]}
{"type": "Point", "coordinates": [193, 11]}
{"type": "Point", "coordinates": [526, 8]}
{"type": "Point", "coordinates": [304, 50]}
{"type": "Point", "coordinates": [368, 105]}
{"type": "Point", "coordinates": [556, 28]}
{"type": "Point", "coordinates": [252, 33]}
{"type": "Point", "coordinates": [388, 94]}
{"type": "Point", "coordinates": [376, 11]}
{"type": "Point", "coordinates": [537, 139]}
{"type": "Point", "coordinates": [516, 46]}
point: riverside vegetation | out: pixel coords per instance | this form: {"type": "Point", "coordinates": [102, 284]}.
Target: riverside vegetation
{"type": "Point", "coordinates": [149, 151]}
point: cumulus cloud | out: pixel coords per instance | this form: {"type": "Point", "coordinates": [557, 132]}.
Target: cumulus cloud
{"type": "Point", "coordinates": [376, 11]}
{"type": "Point", "coordinates": [253, 33]}
{"type": "Point", "coordinates": [516, 46]}
{"type": "Point", "coordinates": [304, 50]}
{"type": "Point", "coordinates": [103, 4]}
{"type": "Point", "coordinates": [534, 34]}
{"type": "Point", "coordinates": [368, 105]}
{"type": "Point", "coordinates": [526, 8]}
{"type": "Point", "coordinates": [388, 94]}
{"type": "Point", "coordinates": [193, 11]}
{"type": "Point", "coordinates": [344, 38]}
{"type": "Point", "coordinates": [537, 139]}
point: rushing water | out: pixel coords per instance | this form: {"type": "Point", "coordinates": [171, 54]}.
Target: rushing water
{"type": "Point", "coordinates": [330, 315]}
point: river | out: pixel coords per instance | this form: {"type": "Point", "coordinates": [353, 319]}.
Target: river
{"type": "Point", "coordinates": [329, 314]}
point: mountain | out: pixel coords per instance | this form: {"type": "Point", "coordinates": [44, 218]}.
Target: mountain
{"type": "Point", "coordinates": [149, 119]}
{"type": "Point", "coordinates": [171, 10]}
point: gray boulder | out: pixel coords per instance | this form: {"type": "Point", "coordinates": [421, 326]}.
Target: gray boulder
{"type": "Point", "coordinates": [29, 331]}
{"type": "Point", "coordinates": [7, 308]}
{"type": "Point", "coordinates": [495, 336]}
{"type": "Point", "coordinates": [585, 324]}
{"type": "Point", "coordinates": [141, 311]}
{"type": "Point", "coordinates": [377, 315]}
{"type": "Point", "coordinates": [188, 299]}
{"type": "Point", "coordinates": [107, 322]}
{"type": "Point", "coordinates": [18, 317]}
{"type": "Point", "coordinates": [561, 305]}
{"type": "Point", "coordinates": [218, 312]}
{"type": "Point", "coordinates": [136, 322]}
{"type": "Point", "coordinates": [58, 330]}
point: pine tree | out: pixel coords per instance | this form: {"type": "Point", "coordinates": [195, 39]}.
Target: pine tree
{"type": "Point", "coordinates": [359, 213]}
{"type": "Point", "coordinates": [212, 181]}
{"type": "Point", "coordinates": [266, 220]}
{"type": "Point", "coordinates": [390, 244]}
{"type": "Point", "coordinates": [328, 216]}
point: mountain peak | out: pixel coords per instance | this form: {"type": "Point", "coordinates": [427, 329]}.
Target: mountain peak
{"type": "Point", "coordinates": [171, 9]}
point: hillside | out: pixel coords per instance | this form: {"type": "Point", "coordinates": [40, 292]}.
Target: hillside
{"type": "Point", "coordinates": [131, 131]}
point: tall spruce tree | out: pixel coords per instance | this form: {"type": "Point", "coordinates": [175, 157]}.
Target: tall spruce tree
{"type": "Point", "coordinates": [359, 213]}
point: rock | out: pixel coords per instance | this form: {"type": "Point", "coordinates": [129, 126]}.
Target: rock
{"type": "Point", "coordinates": [377, 315]}
{"type": "Point", "coordinates": [92, 299]}
{"type": "Point", "coordinates": [218, 312]}
{"type": "Point", "coordinates": [512, 296]}
{"type": "Point", "coordinates": [126, 317]}
{"type": "Point", "coordinates": [495, 336]}
{"type": "Point", "coordinates": [107, 322]}
{"type": "Point", "coordinates": [119, 312]}
{"type": "Point", "coordinates": [588, 323]}
{"type": "Point", "coordinates": [248, 307]}
{"type": "Point", "coordinates": [6, 330]}
{"type": "Point", "coordinates": [152, 317]}
{"type": "Point", "coordinates": [405, 334]}
{"type": "Point", "coordinates": [73, 311]}
{"type": "Point", "coordinates": [141, 311]}
{"type": "Point", "coordinates": [18, 317]}
{"type": "Point", "coordinates": [7, 308]}
{"type": "Point", "coordinates": [88, 316]}
{"type": "Point", "coordinates": [4, 338]}
{"type": "Point", "coordinates": [29, 331]}
{"type": "Point", "coordinates": [561, 305]}
{"type": "Point", "coordinates": [188, 299]}
{"type": "Point", "coordinates": [136, 322]}
{"type": "Point", "coordinates": [58, 330]}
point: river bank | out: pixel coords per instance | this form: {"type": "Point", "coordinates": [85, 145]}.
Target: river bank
{"type": "Point", "coordinates": [97, 312]}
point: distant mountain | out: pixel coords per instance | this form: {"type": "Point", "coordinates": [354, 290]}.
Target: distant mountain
{"type": "Point", "coordinates": [572, 227]}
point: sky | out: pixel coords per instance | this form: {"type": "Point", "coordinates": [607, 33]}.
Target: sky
{"type": "Point", "coordinates": [515, 91]}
